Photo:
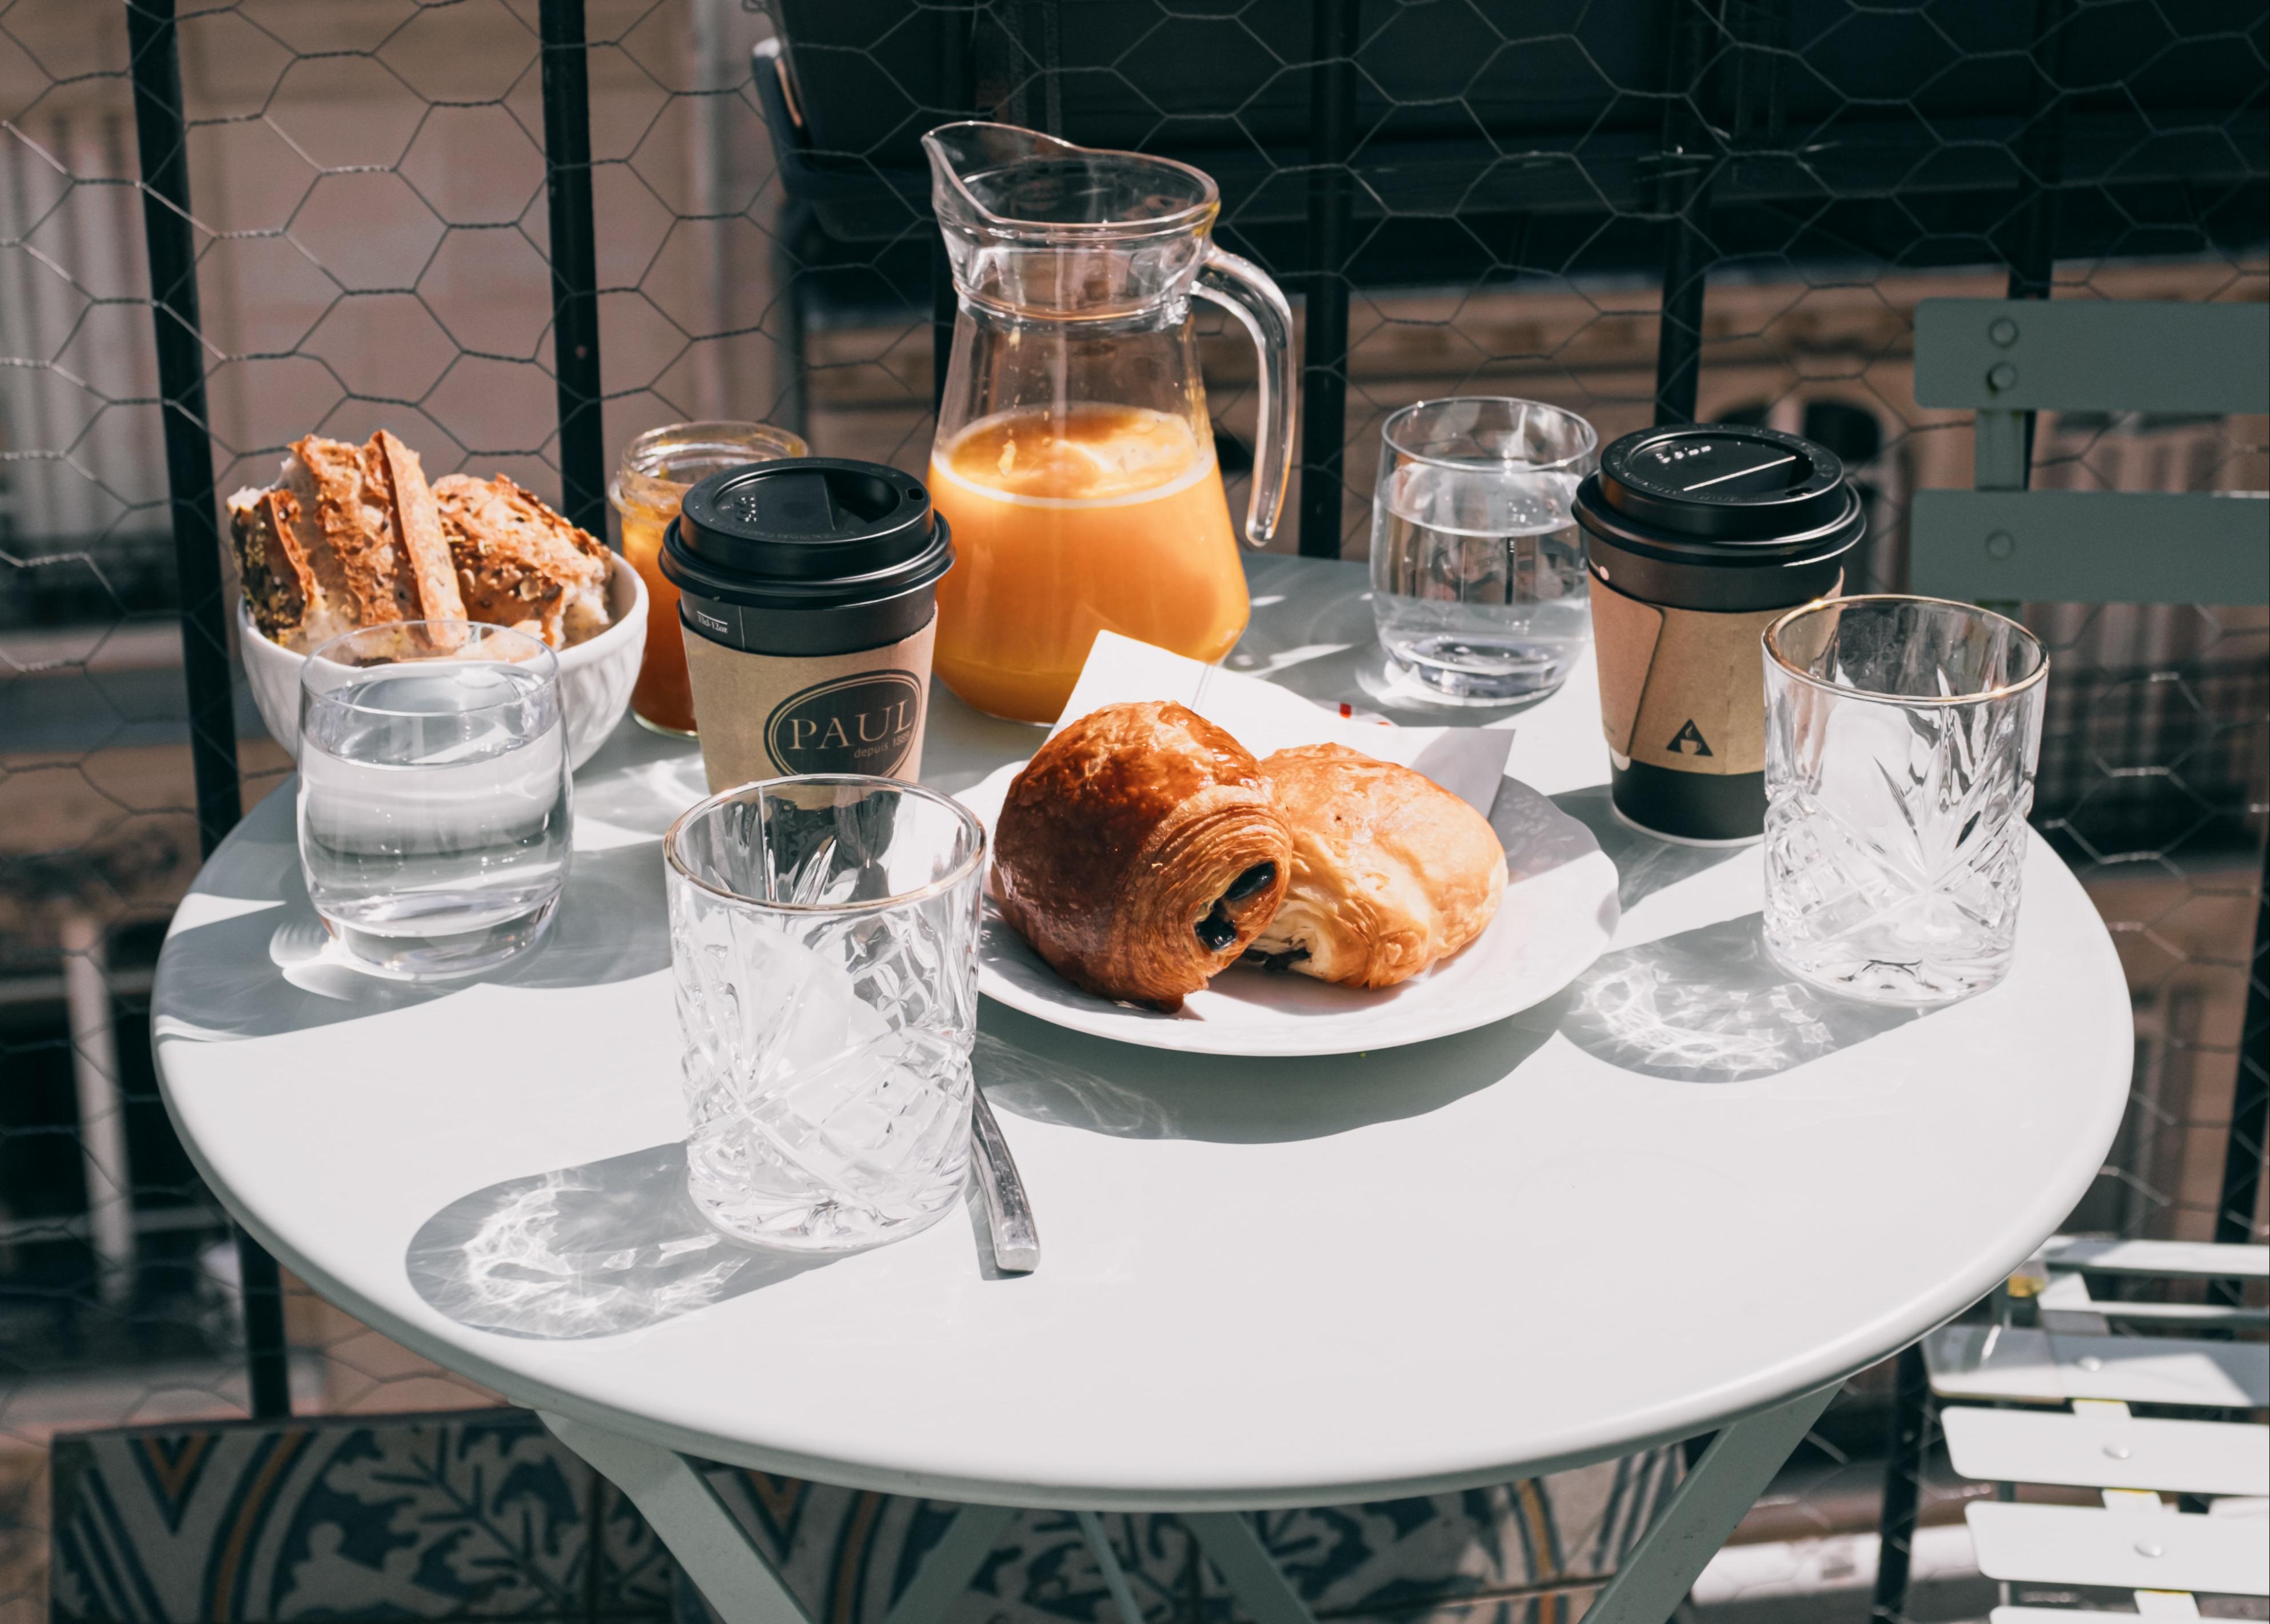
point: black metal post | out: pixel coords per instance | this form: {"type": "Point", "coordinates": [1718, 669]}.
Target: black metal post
{"type": "Point", "coordinates": [162, 140]}
{"type": "Point", "coordinates": [2032, 255]}
{"type": "Point", "coordinates": [2242, 1150]}
{"type": "Point", "coordinates": [792, 404]}
{"type": "Point", "coordinates": [1684, 197]}
{"type": "Point", "coordinates": [1723, 88]}
{"type": "Point", "coordinates": [1904, 1468]}
{"type": "Point", "coordinates": [955, 77]}
{"type": "Point", "coordinates": [171, 243]}
{"type": "Point", "coordinates": [1332, 192]}
{"type": "Point", "coordinates": [574, 263]}
{"type": "Point", "coordinates": [944, 306]}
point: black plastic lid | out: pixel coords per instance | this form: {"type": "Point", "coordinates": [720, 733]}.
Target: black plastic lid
{"type": "Point", "coordinates": [1720, 515]}
{"type": "Point", "coordinates": [1724, 482]}
{"type": "Point", "coordinates": [817, 532]}
{"type": "Point", "coordinates": [853, 548]}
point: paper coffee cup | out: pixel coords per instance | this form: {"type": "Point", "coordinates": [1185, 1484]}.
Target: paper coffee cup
{"type": "Point", "coordinates": [1698, 537]}
{"type": "Point", "coordinates": [809, 599]}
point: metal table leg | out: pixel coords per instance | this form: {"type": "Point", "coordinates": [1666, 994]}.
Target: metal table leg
{"type": "Point", "coordinates": [1725, 1483]}
{"type": "Point", "coordinates": [951, 1564]}
{"type": "Point", "coordinates": [685, 1515]}
{"type": "Point", "coordinates": [1230, 1542]}
{"type": "Point", "coordinates": [728, 1565]}
{"type": "Point", "coordinates": [741, 1581]}
{"type": "Point", "coordinates": [1115, 1576]}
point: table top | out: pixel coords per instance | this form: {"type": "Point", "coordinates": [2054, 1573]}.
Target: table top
{"type": "Point", "coordinates": [1683, 1190]}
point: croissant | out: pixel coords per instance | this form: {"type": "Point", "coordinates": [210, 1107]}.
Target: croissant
{"type": "Point", "coordinates": [1140, 852]}
{"type": "Point", "coordinates": [1391, 873]}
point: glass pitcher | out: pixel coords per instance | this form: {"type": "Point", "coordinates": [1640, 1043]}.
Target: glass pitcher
{"type": "Point", "coordinates": [1074, 457]}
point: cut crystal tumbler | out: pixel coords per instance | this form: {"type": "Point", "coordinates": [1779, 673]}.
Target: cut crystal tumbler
{"type": "Point", "coordinates": [1901, 734]}
{"type": "Point", "coordinates": [823, 934]}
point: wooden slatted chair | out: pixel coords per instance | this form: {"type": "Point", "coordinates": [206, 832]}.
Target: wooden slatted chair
{"type": "Point", "coordinates": [2050, 1403]}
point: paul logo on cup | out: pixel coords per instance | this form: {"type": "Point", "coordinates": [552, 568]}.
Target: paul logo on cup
{"type": "Point", "coordinates": [854, 724]}
{"type": "Point", "coordinates": [809, 603]}
{"type": "Point", "coordinates": [1697, 539]}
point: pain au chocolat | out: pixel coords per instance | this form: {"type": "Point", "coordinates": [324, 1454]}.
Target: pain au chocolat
{"type": "Point", "coordinates": [1391, 873]}
{"type": "Point", "coordinates": [1140, 853]}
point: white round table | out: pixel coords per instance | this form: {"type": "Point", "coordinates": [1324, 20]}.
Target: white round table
{"type": "Point", "coordinates": [1684, 1193]}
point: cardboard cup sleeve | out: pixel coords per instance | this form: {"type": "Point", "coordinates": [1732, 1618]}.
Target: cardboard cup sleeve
{"type": "Point", "coordinates": [765, 715]}
{"type": "Point", "coordinates": [1681, 689]}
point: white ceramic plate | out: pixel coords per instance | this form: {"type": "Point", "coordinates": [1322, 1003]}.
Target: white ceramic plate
{"type": "Point", "coordinates": [1559, 913]}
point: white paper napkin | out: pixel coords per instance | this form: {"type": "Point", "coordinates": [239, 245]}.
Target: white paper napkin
{"type": "Point", "coordinates": [1469, 762]}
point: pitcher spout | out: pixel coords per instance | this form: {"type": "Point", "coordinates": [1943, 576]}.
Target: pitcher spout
{"type": "Point", "coordinates": [999, 178]}
{"type": "Point", "coordinates": [1038, 225]}
{"type": "Point", "coordinates": [1045, 235]}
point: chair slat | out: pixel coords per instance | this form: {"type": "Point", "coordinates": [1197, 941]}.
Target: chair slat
{"type": "Point", "coordinates": [2181, 1314]}
{"type": "Point", "coordinates": [2090, 546]}
{"type": "Point", "coordinates": [2191, 1457]}
{"type": "Point", "coordinates": [2040, 1366]}
{"type": "Point", "coordinates": [2092, 355]}
{"type": "Point", "coordinates": [2126, 1550]}
{"type": "Point", "coordinates": [2067, 1295]}
{"type": "Point", "coordinates": [2190, 1259]}
{"type": "Point", "coordinates": [2149, 1604]}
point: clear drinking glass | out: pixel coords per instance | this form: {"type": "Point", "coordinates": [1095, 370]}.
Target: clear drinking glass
{"type": "Point", "coordinates": [435, 814]}
{"type": "Point", "coordinates": [823, 930]}
{"type": "Point", "coordinates": [1477, 566]}
{"type": "Point", "coordinates": [1901, 734]}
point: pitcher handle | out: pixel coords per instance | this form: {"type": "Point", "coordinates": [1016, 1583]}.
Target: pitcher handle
{"type": "Point", "coordinates": [1241, 288]}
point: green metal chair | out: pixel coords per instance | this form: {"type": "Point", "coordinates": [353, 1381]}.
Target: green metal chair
{"type": "Point", "coordinates": [2001, 542]}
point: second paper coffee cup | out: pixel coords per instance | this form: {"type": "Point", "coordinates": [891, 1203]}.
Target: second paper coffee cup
{"type": "Point", "coordinates": [809, 603]}
{"type": "Point", "coordinates": [1698, 537]}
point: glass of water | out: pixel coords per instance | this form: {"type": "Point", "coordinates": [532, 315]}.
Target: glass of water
{"type": "Point", "coordinates": [434, 818]}
{"type": "Point", "coordinates": [1477, 566]}
{"type": "Point", "coordinates": [823, 933]}
{"type": "Point", "coordinates": [1901, 736]}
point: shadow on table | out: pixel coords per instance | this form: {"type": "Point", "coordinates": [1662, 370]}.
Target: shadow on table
{"type": "Point", "coordinates": [1708, 1005]}
{"type": "Point", "coordinates": [641, 784]}
{"type": "Point", "coordinates": [274, 970]}
{"type": "Point", "coordinates": [595, 1251]}
{"type": "Point", "coordinates": [1358, 675]}
{"type": "Point", "coordinates": [1328, 650]}
{"type": "Point", "coordinates": [1043, 1073]}
{"type": "Point", "coordinates": [1644, 864]}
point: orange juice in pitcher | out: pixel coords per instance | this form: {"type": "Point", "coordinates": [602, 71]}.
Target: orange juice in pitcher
{"type": "Point", "coordinates": [1074, 457]}
{"type": "Point", "coordinates": [1102, 518]}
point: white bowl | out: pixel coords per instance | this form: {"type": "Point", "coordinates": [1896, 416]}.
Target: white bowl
{"type": "Point", "coordinates": [596, 676]}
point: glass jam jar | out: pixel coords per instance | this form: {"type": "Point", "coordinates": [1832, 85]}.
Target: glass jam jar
{"type": "Point", "coordinates": [657, 469]}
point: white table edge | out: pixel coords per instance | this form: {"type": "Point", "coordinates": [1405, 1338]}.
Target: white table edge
{"type": "Point", "coordinates": [483, 1356]}
{"type": "Point", "coordinates": [1762, 1391]}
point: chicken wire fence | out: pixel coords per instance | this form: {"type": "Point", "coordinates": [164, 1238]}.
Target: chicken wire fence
{"type": "Point", "coordinates": [519, 233]}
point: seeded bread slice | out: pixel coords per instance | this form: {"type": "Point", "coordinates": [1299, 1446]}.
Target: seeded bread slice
{"type": "Point", "coordinates": [325, 478]}
{"type": "Point", "coordinates": [278, 586]}
{"type": "Point", "coordinates": [293, 583]}
{"type": "Point", "coordinates": [399, 501]}
{"type": "Point", "coordinates": [519, 562]}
